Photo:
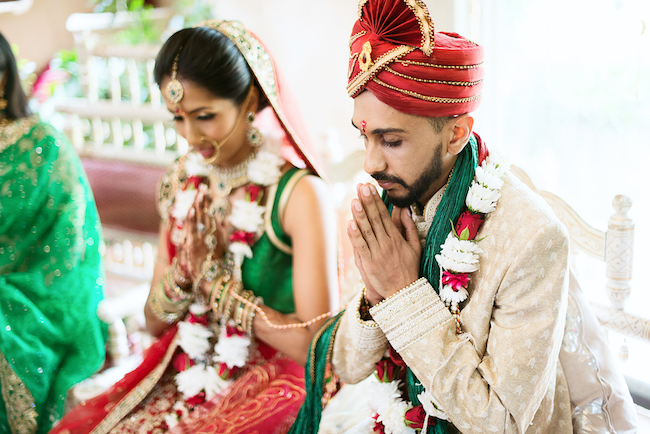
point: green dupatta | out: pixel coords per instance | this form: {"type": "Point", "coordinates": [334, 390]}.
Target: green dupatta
{"type": "Point", "coordinates": [451, 205]}
{"type": "Point", "coordinates": [50, 276]}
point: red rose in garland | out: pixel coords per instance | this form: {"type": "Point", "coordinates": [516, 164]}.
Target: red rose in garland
{"type": "Point", "coordinates": [468, 224]}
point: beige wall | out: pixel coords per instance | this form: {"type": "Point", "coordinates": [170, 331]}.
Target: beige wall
{"type": "Point", "coordinates": [40, 32]}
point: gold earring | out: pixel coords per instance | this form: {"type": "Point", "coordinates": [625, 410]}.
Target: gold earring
{"type": "Point", "coordinates": [253, 135]}
{"type": "Point", "coordinates": [174, 90]}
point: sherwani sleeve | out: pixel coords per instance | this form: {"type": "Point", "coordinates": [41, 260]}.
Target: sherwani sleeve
{"type": "Point", "coordinates": [358, 345]}
{"type": "Point", "coordinates": [499, 391]}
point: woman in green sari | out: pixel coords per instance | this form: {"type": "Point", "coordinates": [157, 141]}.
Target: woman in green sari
{"type": "Point", "coordinates": [50, 267]}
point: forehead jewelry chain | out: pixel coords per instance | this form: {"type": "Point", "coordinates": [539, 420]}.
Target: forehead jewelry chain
{"type": "Point", "coordinates": [174, 90]}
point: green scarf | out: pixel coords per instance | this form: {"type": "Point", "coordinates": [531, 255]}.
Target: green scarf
{"type": "Point", "coordinates": [451, 205]}
{"type": "Point", "coordinates": [50, 276]}
{"type": "Point", "coordinates": [308, 418]}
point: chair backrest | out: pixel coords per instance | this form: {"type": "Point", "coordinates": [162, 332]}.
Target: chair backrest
{"type": "Point", "coordinates": [614, 247]}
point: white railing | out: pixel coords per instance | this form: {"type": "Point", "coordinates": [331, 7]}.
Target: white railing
{"type": "Point", "coordinates": [122, 115]}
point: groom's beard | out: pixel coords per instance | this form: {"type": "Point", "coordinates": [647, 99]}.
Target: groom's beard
{"type": "Point", "coordinates": [415, 191]}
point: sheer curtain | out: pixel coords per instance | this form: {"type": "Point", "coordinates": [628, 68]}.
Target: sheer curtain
{"type": "Point", "coordinates": [567, 97]}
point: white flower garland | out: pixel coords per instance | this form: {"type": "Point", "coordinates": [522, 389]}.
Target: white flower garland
{"type": "Point", "coordinates": [194, 337]}
{"type": "Point", "coordinates": [458, 255]}
{"type": "Point", "coordinates": [386, 400]}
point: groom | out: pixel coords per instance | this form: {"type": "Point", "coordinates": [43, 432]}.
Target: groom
{"type": "Point", "coordinates": [475, 312]}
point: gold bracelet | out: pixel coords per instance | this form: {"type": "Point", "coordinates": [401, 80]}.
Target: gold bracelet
{"type": "Point", "coordinates": [178, 277]}
{"type": "Point", "coordinates": [179, 294]}
{"type": "Point", "coordinates": [235, 289]}
{"type": "Point", "coordinates": [239, 309]}
{"type": "Point", "coordinates": [225, 295]}
{"type": "Point", "coordinates": [215, 293]}
{"type": "Point", "coordinates": [245, 310]}
{"type": "Point", "coordinates": [251, 314]}
{"type": "Point", "coordinates": [163, 308]}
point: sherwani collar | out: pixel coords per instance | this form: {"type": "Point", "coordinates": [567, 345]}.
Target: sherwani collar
{"type": "Point", "coordinates": [423, 219]}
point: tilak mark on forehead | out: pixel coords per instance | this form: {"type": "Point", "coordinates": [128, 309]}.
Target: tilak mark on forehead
{"type": "Point", "coordinates": [363, 126]}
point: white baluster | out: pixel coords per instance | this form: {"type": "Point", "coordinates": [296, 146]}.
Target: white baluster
{"type": "Point", "coordinates": [138, 134]}
{"type": "Point", "coordinates": [619, 253]}
{"type": "Point", "coordinates": [134, 81]}
{"type": "Point", "coordinates": [93, 79]}
{"type": "Point", "coordinates": [98, 131]}
{"type": "Point", "coordinates": [77, 134]}
{"type": "Point", "coordinates": [114, 79]}
{"type": "Point", "coordinates": [154, 91]}
{"type": "Point", "coordinates": [118, 137]}
{"type": "Point", "coordinates": [159, 137]}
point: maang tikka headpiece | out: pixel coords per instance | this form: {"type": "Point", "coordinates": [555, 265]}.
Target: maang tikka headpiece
{"type": "Point", "coordinates": [174, 89]}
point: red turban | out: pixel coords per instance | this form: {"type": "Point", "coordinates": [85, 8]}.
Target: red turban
{"type": "Point", "coordinates": [395, 54]}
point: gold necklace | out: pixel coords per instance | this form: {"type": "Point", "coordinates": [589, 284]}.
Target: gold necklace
{"type": "Point", "coordinates": [224, 180]}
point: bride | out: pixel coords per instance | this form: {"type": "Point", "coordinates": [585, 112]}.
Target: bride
{"type": "Point", "coordinates": [246, 268]}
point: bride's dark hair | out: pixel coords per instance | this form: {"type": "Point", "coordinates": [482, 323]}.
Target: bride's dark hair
{"type": "Point", "coordinates": [209, 59]}
{"type": "Point", "coordinates": [13, 91]}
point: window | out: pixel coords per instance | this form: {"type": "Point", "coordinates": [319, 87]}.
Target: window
{"type": "Point", "coordinates": [567, 96]}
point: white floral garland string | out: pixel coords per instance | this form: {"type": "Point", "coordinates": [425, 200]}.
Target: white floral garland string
{"type": "Point", "coordinates": [198, 379]}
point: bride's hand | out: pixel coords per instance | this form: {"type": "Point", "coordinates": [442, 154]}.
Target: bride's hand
{"type": "Point", "coordinates": [201, 234]}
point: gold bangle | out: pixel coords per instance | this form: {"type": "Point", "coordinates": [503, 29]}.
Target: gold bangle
{"type": "Point", "coordinates": [245, 309]}
{"type": "Point", "coordinates": [225, 295]}
{"type": "Point", "coordinates": [179, 294]}
{"type": "Point", "coordinates": [235, 288]}
{"type": "Point", "coordinates": [178, 277]}
{"type": "Point", "coordinates": [239, 310]}
{"type": "Point", "coordinates": [251, 314]}
{"type": "Point", "coordinates": [166, 311]}
{"type": "Point", "coordinates": [216, 291]}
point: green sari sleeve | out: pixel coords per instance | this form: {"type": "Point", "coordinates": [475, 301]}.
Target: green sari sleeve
{"type": "Point", "coordinates": [50, 279]}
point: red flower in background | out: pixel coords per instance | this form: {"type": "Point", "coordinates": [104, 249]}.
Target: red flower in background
{"type": "Point", "coordinates": [225, 372]}
{"type": "Point", "coordinates": [234, 331]}
{"type": "Point", "coordinates": [471, 222]}
{"type": "Point", "coordinates": [196, 399]}
{"type": "Point", "coordinates": [254, 191]}
{"type": "Point", "coordinates": [243, 237]}
{"type": "Point", "coordinates": [200, 319]}
{"type": "Point", "coordinates": [193, 181]}
{"type": "Point", "coordinates": [182, 361]}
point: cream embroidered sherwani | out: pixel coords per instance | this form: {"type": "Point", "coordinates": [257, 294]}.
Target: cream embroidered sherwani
{"type": "Point", "coordinates": [501, 374]}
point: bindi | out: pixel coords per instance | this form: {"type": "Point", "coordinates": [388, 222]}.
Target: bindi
{"type": "Point", "coordinates": [363, 126]}
{"type": "Point", "coordinates": [178, 111]}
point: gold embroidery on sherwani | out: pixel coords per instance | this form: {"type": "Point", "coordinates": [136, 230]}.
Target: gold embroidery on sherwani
{"type": "Point", "coordinates": [135, 396]}
{"type": "Point", "coordinates": [21, 411]}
